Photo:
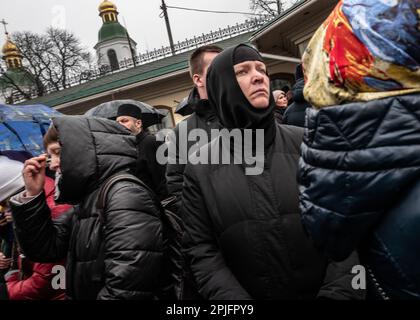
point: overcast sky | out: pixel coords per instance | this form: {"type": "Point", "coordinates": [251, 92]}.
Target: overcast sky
{"type": "Point", "coordinates": [141, 18]}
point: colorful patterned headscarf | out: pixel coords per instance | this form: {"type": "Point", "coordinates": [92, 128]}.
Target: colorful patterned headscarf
{"type": "Point", "coordinates": [365, 50]}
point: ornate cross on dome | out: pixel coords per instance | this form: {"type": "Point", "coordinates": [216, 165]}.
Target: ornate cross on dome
{"type": "Point", "coordinates": [4, 23]}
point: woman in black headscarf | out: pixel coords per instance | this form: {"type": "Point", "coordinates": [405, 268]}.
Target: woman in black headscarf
{"type": "Point", "coordinates": [244, 236]}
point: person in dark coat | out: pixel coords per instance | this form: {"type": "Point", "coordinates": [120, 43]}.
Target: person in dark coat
{"type": "Point", "coordinates": [116, 257]}
{"type": "Point", "coordinates": [360, 168]}
{"type": "Point", "coordinates": [203, 118]}
{"type": "Point", "coordinates": [148, 169]}
{"type": "Point", "coordinates": [244, 235]}
{"type": "Point", "coordinates": [28, 280]}
{"type": "Point", "coordinates": [296, 112]}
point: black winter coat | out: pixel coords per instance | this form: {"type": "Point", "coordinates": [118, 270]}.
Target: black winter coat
{"type": "Point", "coordinates": [148, 169]}
{"type": "Point", "coordinates": [203, 118]}
{"type": "Point", "coordinates": [360, 188]}
{"type": "Point", "coordinates": [296, 112]}
{"type": "Point", "coordinates": [244, 235]}
{"type": "Point", "coordinates": [92, 150]}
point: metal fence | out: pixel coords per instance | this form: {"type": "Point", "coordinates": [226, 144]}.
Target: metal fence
{"type": "Point", "coordinates": [157, 54]}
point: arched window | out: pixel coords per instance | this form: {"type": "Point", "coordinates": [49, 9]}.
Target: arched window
{"type": "Point", "coordinates": [107, 19]}
{"type": "Point", "coordinates": [16, 63]}
{"type": "Point", "coordinates": [113, 60]}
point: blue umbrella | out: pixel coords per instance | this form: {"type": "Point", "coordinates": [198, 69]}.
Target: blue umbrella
{"type": "Point", "coordinates": [23, 127]}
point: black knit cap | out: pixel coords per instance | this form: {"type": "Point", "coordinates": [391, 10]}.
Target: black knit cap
{"type": "Point", "coordinates": [245, 53]}
{"type": "Point", "coordinates": [129, 110]}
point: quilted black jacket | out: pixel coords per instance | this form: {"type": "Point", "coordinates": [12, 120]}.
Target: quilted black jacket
{"type": "Point", "coordinates": [131, 263]}
{"type": "Point", "coordinates": [359, 187]}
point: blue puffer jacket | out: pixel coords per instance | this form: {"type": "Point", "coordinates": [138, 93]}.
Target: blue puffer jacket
{"type": "Point", "coordinates": [360, 188]}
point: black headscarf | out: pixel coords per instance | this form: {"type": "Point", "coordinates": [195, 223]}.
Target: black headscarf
{"type": "Point", "coordinates": [227, 99]}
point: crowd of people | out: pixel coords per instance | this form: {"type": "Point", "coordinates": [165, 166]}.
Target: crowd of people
{"type": "Point", "coordinates": [338, 185]}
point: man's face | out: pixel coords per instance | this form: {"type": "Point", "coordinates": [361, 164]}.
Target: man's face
{"type": "Point", "coordinates": [132, 124]}
{"type": "Point", "coordinates": [200, 79]}
{"type": "Point", "coordinates": [254, 82]}
{"type": "Point", "coordinates": [54, 151]}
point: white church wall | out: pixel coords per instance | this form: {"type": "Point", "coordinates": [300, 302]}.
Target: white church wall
{"type": "Point", "coordinates": [121, 48]}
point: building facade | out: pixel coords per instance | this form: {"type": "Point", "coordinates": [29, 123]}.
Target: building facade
{"type": "Point", "coordinates": [114, 43]}
{"type": "Point", "coordinates": [15, 81]}
{"type": "Point", "coordinates": [161, 79]}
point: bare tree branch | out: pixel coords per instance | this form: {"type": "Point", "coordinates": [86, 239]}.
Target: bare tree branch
{"type": "Point", "coordinates": [51, 59]}
{"type": "Point", "coordinates": [10, 86]}
{"type": "Point", "coordinates": [70, 57]}
{"type": "Point", "coordinates": [270, 7]}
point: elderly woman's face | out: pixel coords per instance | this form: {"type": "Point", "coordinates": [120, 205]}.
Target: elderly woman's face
{"type": "Point", "coordinates": [253, 80]}
{"type": "Point", "coordinates": [281, 101]}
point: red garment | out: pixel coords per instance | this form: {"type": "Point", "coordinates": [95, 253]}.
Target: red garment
{"type": "Point", "coordinates": [38, 285]}
{"type": "Point", "coordinates": [56, 209]}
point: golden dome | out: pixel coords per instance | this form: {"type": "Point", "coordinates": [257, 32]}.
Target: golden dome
{"type": "Point", "coordinates": [107, 6]}
{"type": "Point", "coordinates": [10, 49]}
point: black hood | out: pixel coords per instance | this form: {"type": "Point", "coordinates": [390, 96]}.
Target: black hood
{"type": "Point", "coordinates": [92, 150]}
{"type": "Point", "coordinates": [298, 91]}
{"type": "Point", "coordinates": [228, 101]}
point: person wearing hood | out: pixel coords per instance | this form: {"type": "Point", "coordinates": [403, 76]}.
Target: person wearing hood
{"type": "Point", "coordinates": [244, 235]}
{"type": "Point", "coordinates": [296, 112]}
{"type": "Point", "coordinates": [114, 255]}
{"type": "Point", "coordinates": [360, 169]}
{"type": "Point", "coordinates": [203, 117]}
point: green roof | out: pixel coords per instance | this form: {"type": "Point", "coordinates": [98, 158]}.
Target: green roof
{"type": "Point", "coordinates": [19, 77]}
{"type": "Point", "coordinates": [130, 76]}
{"type": "Point", "coordinates": [111, 30]}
